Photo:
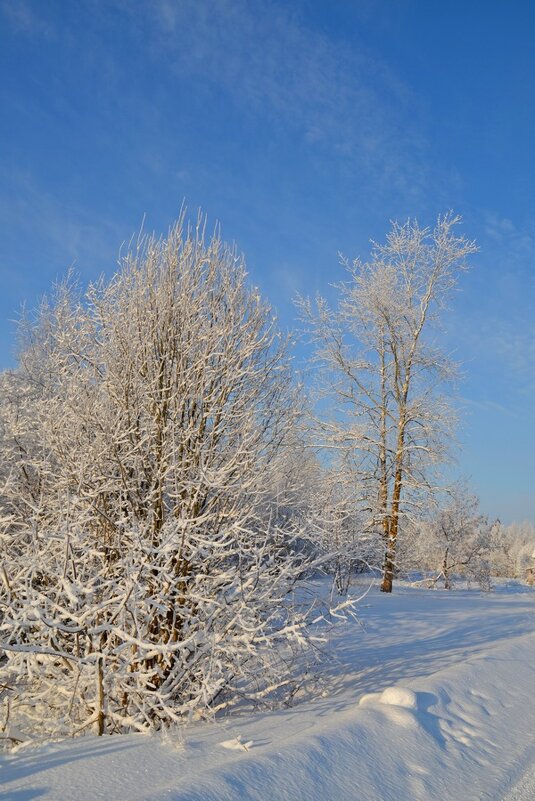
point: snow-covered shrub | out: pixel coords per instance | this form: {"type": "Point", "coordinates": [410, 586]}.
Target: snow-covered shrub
{"type": "Point", "coordinates": [456, 540]}
{"type": "Point", "coordinates": [146, 569]}
{"type": "Point", "coordinates": [340, 531]}
{"type": "Point", "coordinates": [513, 554]}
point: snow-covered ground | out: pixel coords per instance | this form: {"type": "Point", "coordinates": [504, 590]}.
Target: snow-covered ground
{"type": "Point", "coordinates": [431, 695]}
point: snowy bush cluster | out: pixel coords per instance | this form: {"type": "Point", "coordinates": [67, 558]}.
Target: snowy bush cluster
{"type": "Point", "coordinates": [147, 560]}
{"type": "Point", "coordinates": [455, 540]}
{"type": "Point", "coordinates": [513, 553]}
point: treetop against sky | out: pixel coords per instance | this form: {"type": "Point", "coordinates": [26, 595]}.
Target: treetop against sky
{"type": "Point", "coordinates": [304, 129]}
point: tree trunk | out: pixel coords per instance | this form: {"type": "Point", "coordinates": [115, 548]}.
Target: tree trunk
{"type": "Point", "coordinates": [447, 585]}
{"type": "Point", "coordinates": [390, 555]}
{"type": "Point", "coordinates": [388, 567]}
{"type": "Point", "coordinates": [100, 697]}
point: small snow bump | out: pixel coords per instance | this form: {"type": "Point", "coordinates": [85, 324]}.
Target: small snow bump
{"type": "Point", "coordinates": [399, 696]}
{"type": "Point", "coordinates": [236, 744]}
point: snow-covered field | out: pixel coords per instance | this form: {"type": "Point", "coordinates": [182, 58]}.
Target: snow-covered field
{"type": "Point", "coordinates": [430, 695]}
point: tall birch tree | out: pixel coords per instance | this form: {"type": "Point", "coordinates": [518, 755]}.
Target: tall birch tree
{"type": "Point", "coordinates": [385, 373]}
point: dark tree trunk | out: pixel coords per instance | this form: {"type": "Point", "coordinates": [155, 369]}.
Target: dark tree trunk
{"type": "Point", "coordinates": [100, 699]}
{"type": "Point", "coordinates": [388, 570]}
{"type": "Point", "coordinates": [390, 555]}
{"type": "Point", "coordinates": [445, 570]}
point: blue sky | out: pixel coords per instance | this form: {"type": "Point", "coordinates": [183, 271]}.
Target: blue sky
{"type": "Point", "coordinates": [304, 128]}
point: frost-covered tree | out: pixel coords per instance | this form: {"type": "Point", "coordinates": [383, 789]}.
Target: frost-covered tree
{"type": "Point", "coordinates": [514, 550]}
{"type": "Point", "coordinates": [380, 362]}
{"type": "Point", "coordinates": [458, 539]}
{"type": "Point", "coordinates": [339, 528]}
{"type": "Point", "coordinates": [145, 564]}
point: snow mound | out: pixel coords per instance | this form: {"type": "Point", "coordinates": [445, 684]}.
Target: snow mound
{"type": "Point", "coordinates": [392, 696]}
{"type": "Point", "coordinates": [399, 696]}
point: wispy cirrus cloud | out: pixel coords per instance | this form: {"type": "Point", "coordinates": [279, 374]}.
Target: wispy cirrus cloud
{"type": "Point", "coordinates": [513, 242]}
{"type": "Point", "coordinates": [335, 99]}
{"type": "Point", "coordinates": [26, 18]}
{"type": "Point", "coordinates": [68, 234]}
{"type": "Point", "coordinates": [268, 63]}
{"type": "Point", "coordinates": [513, 345]}
{"type": "Point", "coordinates": [486, 405]}
{"type": "Point", "coordinates": [495, 330]}
{"type": "Point", "coordinates": [501, 350]}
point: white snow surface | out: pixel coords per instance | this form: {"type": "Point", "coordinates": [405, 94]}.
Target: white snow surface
{"type": "Point", "coordinates": [431, 695]}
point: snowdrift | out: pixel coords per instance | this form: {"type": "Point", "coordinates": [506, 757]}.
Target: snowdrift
{"type": "Point", "coordinates": [463, 733]}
